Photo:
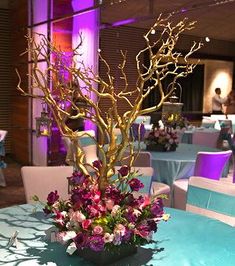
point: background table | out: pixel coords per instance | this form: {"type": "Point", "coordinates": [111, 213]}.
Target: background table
{"type": "Point", "coordinates": [188, 134]}
{"type": "Point", "coordinates": [186, 239]}
{"type": "Point", "coordinates": [169, 166]}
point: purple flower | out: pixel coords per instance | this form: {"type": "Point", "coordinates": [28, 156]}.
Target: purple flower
{"type": "Point", "coordinates": [127, 236]}
{"type": "Point", "coordinates": [124, 170]}
{"type": "Point", "coordinates": [96, 243]}
{"type": "Point", "coordinates": [80, 240]}
{"type": "Point", "coordinates": [152, 225]}
{"type": "Point", "coordinates": [135, 184]}
{"type": "Point", "coordinates": [97, 164]}
{"type": "Point", "coordinates": [134, 202]}
{"type": "Point", "coordinates": [52, 197]}
{"type": "Point", "coordinates": [157, 208]}
{"type": "Point", "coordinates": [76, 178]}
{"type": "Point", "coordinates": [111, 192]}
{"type": "Point", "coordinates": [130, 216]}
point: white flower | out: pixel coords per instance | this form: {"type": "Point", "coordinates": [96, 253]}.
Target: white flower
{"type": "Point", "coordinates": [115, 209]}
{"type": "Point", "coordinates": [108, 238]}
{"type": "Point", "coordinates": [136, 212]}
{"type": "Point", "coordinates": [71, 248]}
{"type": "Point", "coordinates": [64, 237]}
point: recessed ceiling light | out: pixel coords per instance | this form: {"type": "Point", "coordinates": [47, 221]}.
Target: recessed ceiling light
{"type": "Point", "coordinates": [207, 39]}
{"type": "Point", "coordinates": [153, 31]}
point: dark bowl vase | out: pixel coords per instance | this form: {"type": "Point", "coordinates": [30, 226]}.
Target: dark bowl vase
{"type": "Point", "coordinates": [159, 147]}
{"type": "Point", "coordinates": [107, 257]}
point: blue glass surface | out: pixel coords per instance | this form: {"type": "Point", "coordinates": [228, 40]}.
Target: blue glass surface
{"type": "Point", "coordinates": [186, 239]}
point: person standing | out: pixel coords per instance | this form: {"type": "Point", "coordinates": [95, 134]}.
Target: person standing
{"type": "Point", "coordinates": [217, 102]}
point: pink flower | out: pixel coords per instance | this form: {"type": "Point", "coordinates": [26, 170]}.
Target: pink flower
{"type": "Point", "coordinates": [86, 224]}
{"type": "Point", "coordinates": [60, 217]}
{"type": "Point", "coordinates": [98, 230]}
{"type": "Point", "coordinates": [77, 216]}
{"type": "Point", "coordinates": [96, 196]}
{"type": "Point", "coordinates": [146, 202]}
{"type": "Point", "coordinates": [109, 204]}
{"type": "Point", "coordinates": [156, 134]}
{"type": "Point", "coordinates": [120, 229]}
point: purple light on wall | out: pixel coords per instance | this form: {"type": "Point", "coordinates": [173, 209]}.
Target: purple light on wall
{"type": "Point", "coordinates": [86, 24]}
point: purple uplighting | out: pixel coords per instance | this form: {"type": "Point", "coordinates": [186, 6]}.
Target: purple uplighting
{"type": "Point", "coordinates": [87, 25]}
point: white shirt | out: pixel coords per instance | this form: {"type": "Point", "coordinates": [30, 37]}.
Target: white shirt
{"type": "Point", "coordinates": [217, 102]}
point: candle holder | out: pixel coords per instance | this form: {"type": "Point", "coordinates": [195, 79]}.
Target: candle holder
{"type": "Point", "coordinates": [43, 123]}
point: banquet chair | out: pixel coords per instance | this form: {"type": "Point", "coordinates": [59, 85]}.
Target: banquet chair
{"type": "Point", "coordinates": [211, 198]}
{"type": "Point", "coordinates": [3, 134]}
{"type": "Point", "coordinates": [87, 141]}
{"type": "Point", "coordinates": [208, 165]}
{"type": "Point", "coordinates": [41, 180]}
{"type": "Point", "coordinates": [145, 119]}
{"type": "Point", "coordinates": [208, 122]}
{"type": "Point", "coordinates": [206, 139]}
{"type": "Point", "coordinates": [144, 159]}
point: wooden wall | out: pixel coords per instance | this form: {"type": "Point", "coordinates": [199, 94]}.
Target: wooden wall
{"type": "Point", "coordinates": [5, 76]}
{"type": "Point", "coordinates": [19, 104]}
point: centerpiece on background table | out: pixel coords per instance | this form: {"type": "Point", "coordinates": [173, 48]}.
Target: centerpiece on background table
{"type": "Point", "coordinates": [162, 139]}
{"type": "Point", "coordinates": [103, 212]}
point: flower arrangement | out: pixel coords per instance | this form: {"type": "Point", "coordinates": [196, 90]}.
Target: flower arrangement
{"type": "Point", "coordinates": [102, 221]}
{"type": "Point", "coordinates": [165, 137]}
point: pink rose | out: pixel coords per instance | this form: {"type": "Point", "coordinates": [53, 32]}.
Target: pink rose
{"type": "Point", "coordinates": [86, 223]}
{"type": "Point", "coordinates": [109, 204]}
{"type": "Point", "coordinates": [77, 216]}
{"type": "Point", "coordinates": [98, 230]}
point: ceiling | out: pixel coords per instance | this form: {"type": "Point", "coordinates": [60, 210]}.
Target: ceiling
{"type": "Point", "coordinates": [215, 18]}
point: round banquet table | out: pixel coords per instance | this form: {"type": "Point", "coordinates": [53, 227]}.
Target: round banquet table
{"type": "Point", "coordinates": [169, 166]}
{"type": "Point", "coordinates": [188, 134]}
{"type": "Point", "coordinates": [186, 239]}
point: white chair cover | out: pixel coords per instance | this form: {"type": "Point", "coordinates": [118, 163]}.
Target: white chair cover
{"type": "Point", "coordinates": [41, 180]}
{"type": "Point", "coordinates": [211, 198]}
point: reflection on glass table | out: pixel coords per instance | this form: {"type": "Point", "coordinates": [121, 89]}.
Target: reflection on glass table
{"type": "Point", "coordinates": [186, 239]}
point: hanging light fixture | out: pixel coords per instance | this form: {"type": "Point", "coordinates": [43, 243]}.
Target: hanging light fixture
{"type": "Point", "coordinates": [43, 123]}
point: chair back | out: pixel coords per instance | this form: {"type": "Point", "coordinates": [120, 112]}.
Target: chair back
{"type": "Point", "coordinates": [146, 175]}
{"type": "Point", "coordinates": [211, 198]}
{"type": "Point", "coordinates": [145, 119]}
{"type": "Point", "coordinates": [143, 159]}
{"type": "Point", "coordinates": [208, 122]}
{"type": "Point", "coordinates": [211, 164]}
{"type": "Point", "coordinates": [41, 180]}
{"type": "Point", "coordinates": [3, 134]}
{"type": "Point", "coordinates": [205, 138]}
{"type": "Point", "coordinates": [88, 143]}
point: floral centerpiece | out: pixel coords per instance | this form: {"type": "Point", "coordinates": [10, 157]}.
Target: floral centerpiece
{"type": "Point", "coordinates": [103, 211]}
{"type": "Point", "coordinates": [165, 139]}
{"type": "Point", "coordinates": [100, 221]}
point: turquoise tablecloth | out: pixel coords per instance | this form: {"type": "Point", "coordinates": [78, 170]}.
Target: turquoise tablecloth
{"type": "Point", "coordinates": [185, 240]}
{"type": "Point", "coordinates": [169, 166]}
